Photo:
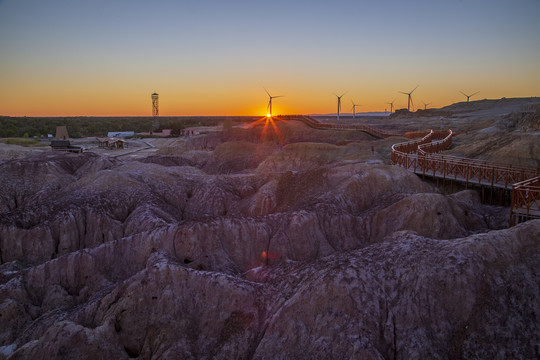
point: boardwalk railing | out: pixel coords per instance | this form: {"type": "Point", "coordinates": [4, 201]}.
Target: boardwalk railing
{"type": "Point", "coordinates": [421, 157]}
{"type": "Point", "coordinates": [525, 201]}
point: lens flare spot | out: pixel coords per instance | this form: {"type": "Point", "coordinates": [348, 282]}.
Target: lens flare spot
{"type": "Point", "coordinates": [269, 256]}
{"type": "Point", "coordinates": [270, 130]}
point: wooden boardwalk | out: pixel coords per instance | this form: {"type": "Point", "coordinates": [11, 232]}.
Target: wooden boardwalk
{"type": "Point", "coordinates": [422, 156]}
{"type": "Point", "coordinates": [313, 123]}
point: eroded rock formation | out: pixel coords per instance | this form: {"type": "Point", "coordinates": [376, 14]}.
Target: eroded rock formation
{"type": "Point", "coordinates": [249, 250]}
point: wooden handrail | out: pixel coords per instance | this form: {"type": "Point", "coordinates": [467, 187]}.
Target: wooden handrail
{"type": "Point", "coordinates": [314, 123]}
{"type": "Point", "coordinates": [421, 157]}
{"type": "Point", "coordinates": [425, 160]}
{"type": "Point", "coordinates": [525, 200]}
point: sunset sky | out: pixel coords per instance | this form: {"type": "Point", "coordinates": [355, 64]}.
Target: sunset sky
{"type": "Point", "coordinates": [81, 57]}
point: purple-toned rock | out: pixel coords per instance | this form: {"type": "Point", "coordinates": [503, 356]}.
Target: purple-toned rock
{"type": "Point", "coordinates": [262, 250]}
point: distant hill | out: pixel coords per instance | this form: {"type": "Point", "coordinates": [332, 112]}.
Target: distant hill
{"type": "Point", "coordinates": [487, 104]}
{"type": "Point", "coordinates": [373, 113]}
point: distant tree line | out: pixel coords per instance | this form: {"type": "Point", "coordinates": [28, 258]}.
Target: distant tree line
{"type": "Point", "coordinates": [99, 126]}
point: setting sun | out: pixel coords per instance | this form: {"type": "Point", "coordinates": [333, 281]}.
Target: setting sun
{"type": "Point", "coordinates": [306, 179]}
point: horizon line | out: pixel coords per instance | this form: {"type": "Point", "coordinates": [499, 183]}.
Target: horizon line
{"type": "Point", "coordinates": [166, 116]}
{"type": "Point", "coordinates": [262, 115]}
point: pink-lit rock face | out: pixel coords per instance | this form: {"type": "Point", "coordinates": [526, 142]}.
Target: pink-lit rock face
{"type": "Point", "coordinates": [249, 250]}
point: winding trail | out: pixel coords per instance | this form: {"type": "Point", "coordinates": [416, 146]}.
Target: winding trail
{"type": "Point", "coordinates": [313, 123]}
{"type": "Point", "coordinates": [422, 157]}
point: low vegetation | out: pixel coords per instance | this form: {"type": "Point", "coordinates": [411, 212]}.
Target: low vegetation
{"type": "Point", "coordinates": [12, 127]}
{"type": "Point", "coordinates": [21, 142]}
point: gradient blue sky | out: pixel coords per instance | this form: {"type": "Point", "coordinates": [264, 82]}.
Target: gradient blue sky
{"type": "Point", "coordinates": [75, 57]}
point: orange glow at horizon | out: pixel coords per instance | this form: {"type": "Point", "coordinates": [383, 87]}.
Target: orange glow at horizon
{"type": "Point", "coordinates": [28, 100]}
{"type": "Point", "coordinates": [56, 62]}
{"type": "Point", "coordinates": [38, 94]}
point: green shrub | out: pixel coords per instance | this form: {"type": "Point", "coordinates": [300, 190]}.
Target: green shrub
{"type": "Point", "coordinates": [21, 142]}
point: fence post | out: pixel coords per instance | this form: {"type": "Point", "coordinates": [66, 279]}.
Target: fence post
{"type": "Point", "coordinates": [423, 166]}
{"type": "Point", "coordinates": [492, 182]}
{"type": "Point", "coordinates": [467, 177]}
{"type": "Point", "coordinates": [444, 174]}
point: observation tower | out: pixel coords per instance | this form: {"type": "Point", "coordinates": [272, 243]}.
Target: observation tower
{"type": "Point", "coordinates": [155, 111]}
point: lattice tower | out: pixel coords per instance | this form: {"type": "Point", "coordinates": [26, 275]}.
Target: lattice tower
{"type": "Point", "coordinates": [155, 111]}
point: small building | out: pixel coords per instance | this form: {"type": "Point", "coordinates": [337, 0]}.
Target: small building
{"type": "Point", "coordinates": [103, 142]}
{"type": "Point", "coordinates": [189, 132]}
{"type": "Point", "coordinates": [163, 133]}
{"type": "Point", "coordinates": [65, 145]}
{"type": "Point", "coordinates": [112, 143]}
{"type": "Point", "coordinates": [120, 134]}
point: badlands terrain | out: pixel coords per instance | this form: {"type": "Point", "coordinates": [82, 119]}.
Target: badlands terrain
{"type": "Point", "coordinates": [248, 243]}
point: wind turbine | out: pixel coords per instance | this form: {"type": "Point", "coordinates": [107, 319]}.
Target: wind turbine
{"type": "Point", "coordinates": [354, 108]}
{"type": "Point", "coordinates": [410, 97]}
{"type": "Point", "coordinates": [468, 96]}
{"type": "Point", "coordinates": [425, 105]}
{"type": "Point", "coordinates": [391, 105]}
{"type": "Point", "coordinates": [270, 102]}
{"type": "Point", "coordinates": [339, 103]}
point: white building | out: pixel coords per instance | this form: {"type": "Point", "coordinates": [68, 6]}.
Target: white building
{"type": "Point", "coordinates": [121, 134]}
